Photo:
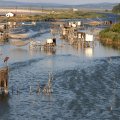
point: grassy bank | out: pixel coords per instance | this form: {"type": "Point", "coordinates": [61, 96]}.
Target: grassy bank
{"type": "Point", "coordinates": [111, 36]}
{"type": "Point", "coordinates": [53, 15]}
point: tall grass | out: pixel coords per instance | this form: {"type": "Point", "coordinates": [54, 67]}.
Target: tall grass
{"type": "Point", "coordinates": [111, 36]}
{"type": "Point", "coordinates": [112, 33]}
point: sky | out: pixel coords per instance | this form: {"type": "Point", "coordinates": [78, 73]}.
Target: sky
{"type": "Point", "coordinates": [67, 1]}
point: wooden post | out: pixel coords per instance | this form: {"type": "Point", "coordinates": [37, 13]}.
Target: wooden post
{"type": "Point", "coordinates": [4, 80]}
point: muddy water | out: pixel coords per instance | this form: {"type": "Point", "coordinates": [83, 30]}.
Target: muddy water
{"type": "Point", "coordinates": [85, 86]}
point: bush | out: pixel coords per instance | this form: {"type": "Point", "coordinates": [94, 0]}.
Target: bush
{"type": "Point", "coordinates": [112, 33]}
{"type": "Point", "coordinates": [116, 28]}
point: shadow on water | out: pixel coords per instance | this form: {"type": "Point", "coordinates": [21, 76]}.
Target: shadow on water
{"type": "Point", "coordinates": [4, 105]}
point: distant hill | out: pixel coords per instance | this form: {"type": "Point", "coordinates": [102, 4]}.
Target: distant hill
{"type": "Point", "coordinates": [26, 4]}
{"type": "Point", "coordinates": [95, 6]}
{"type": "Point", "coordinates": [54, 5]}
{"type": "Point", "coordinates": [116, 9]}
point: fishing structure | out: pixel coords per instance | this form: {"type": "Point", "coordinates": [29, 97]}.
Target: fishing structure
{"type": "Point", "coordinates": [48, 87]}
{"type": "Point", "coordinates": [49, 44]}
{"type": "Point", "coordinates": [45, 89]}
{"type": "Point", "coordinates": [72, 33]}
{"type": "Point", "coordinates": [3, 33]}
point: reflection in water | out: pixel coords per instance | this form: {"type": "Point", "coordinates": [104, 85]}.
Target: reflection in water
{"type": "Point", "coordinates": [4, 106]}
{"type": "Point", "coordinates": [50, 51]}
{"type": "Point", "coordinates": [89, 52]}
{"type": "Point", "coordinates": [47, 51]}
{"type": "Point", "coordinates": [18, 53]}
{"type": "Point", "coordinates": [0, 51]}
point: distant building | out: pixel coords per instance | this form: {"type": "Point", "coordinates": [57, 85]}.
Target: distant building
{"type": "Point", "coordinates": [74, 9]}
{"type": "Point", "coordinates": [10, 14]}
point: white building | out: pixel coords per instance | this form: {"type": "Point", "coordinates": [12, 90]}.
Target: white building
{"type": "Point", "coordinates": [10, 14]}
{"type": "Point", "coordinates": [75, 10]}
{"type": "Point", "coordinates": [89, 38]}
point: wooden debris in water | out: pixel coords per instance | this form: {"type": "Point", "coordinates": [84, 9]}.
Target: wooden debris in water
{"type": "Point", "coordinates": [48, 87]}
{"type": "Point", "coordinates": [38, 89]}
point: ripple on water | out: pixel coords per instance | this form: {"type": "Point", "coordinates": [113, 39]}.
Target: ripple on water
{"type": "Point", "coordinates": [83, 92]}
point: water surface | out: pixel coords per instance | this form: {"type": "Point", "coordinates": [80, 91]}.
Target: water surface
{"type": "Point", "coordinates": [85, 85]}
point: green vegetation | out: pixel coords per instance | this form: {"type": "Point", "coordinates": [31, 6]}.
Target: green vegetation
{"type": "Point", "coordinates": [116, 9]}
{"type": "Point", "coordinates": [73, 15]}
{"type": "Point", "coordinates": [80, 14]}
{"type": "Point", "coordinates": [54, 15]}
{"type": "Point", "coordinates": [111, 36]}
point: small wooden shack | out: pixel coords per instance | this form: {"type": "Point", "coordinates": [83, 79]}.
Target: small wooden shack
{"type": "Point", "coordinates": [72, 33]}
{"type": "Point", "coordinates": [81, 35]}
{"type": "Point", "coordinates": [4, 80]}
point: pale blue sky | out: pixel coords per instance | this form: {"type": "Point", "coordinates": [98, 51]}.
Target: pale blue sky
{"type": "Point", "coordinates": [68, 1]}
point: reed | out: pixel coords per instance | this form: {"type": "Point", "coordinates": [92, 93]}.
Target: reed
{"type": "Point", "coordinates": [111, 36]}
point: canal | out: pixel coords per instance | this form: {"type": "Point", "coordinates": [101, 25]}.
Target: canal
{"type": "Point", "coordinates": [86, 82]}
